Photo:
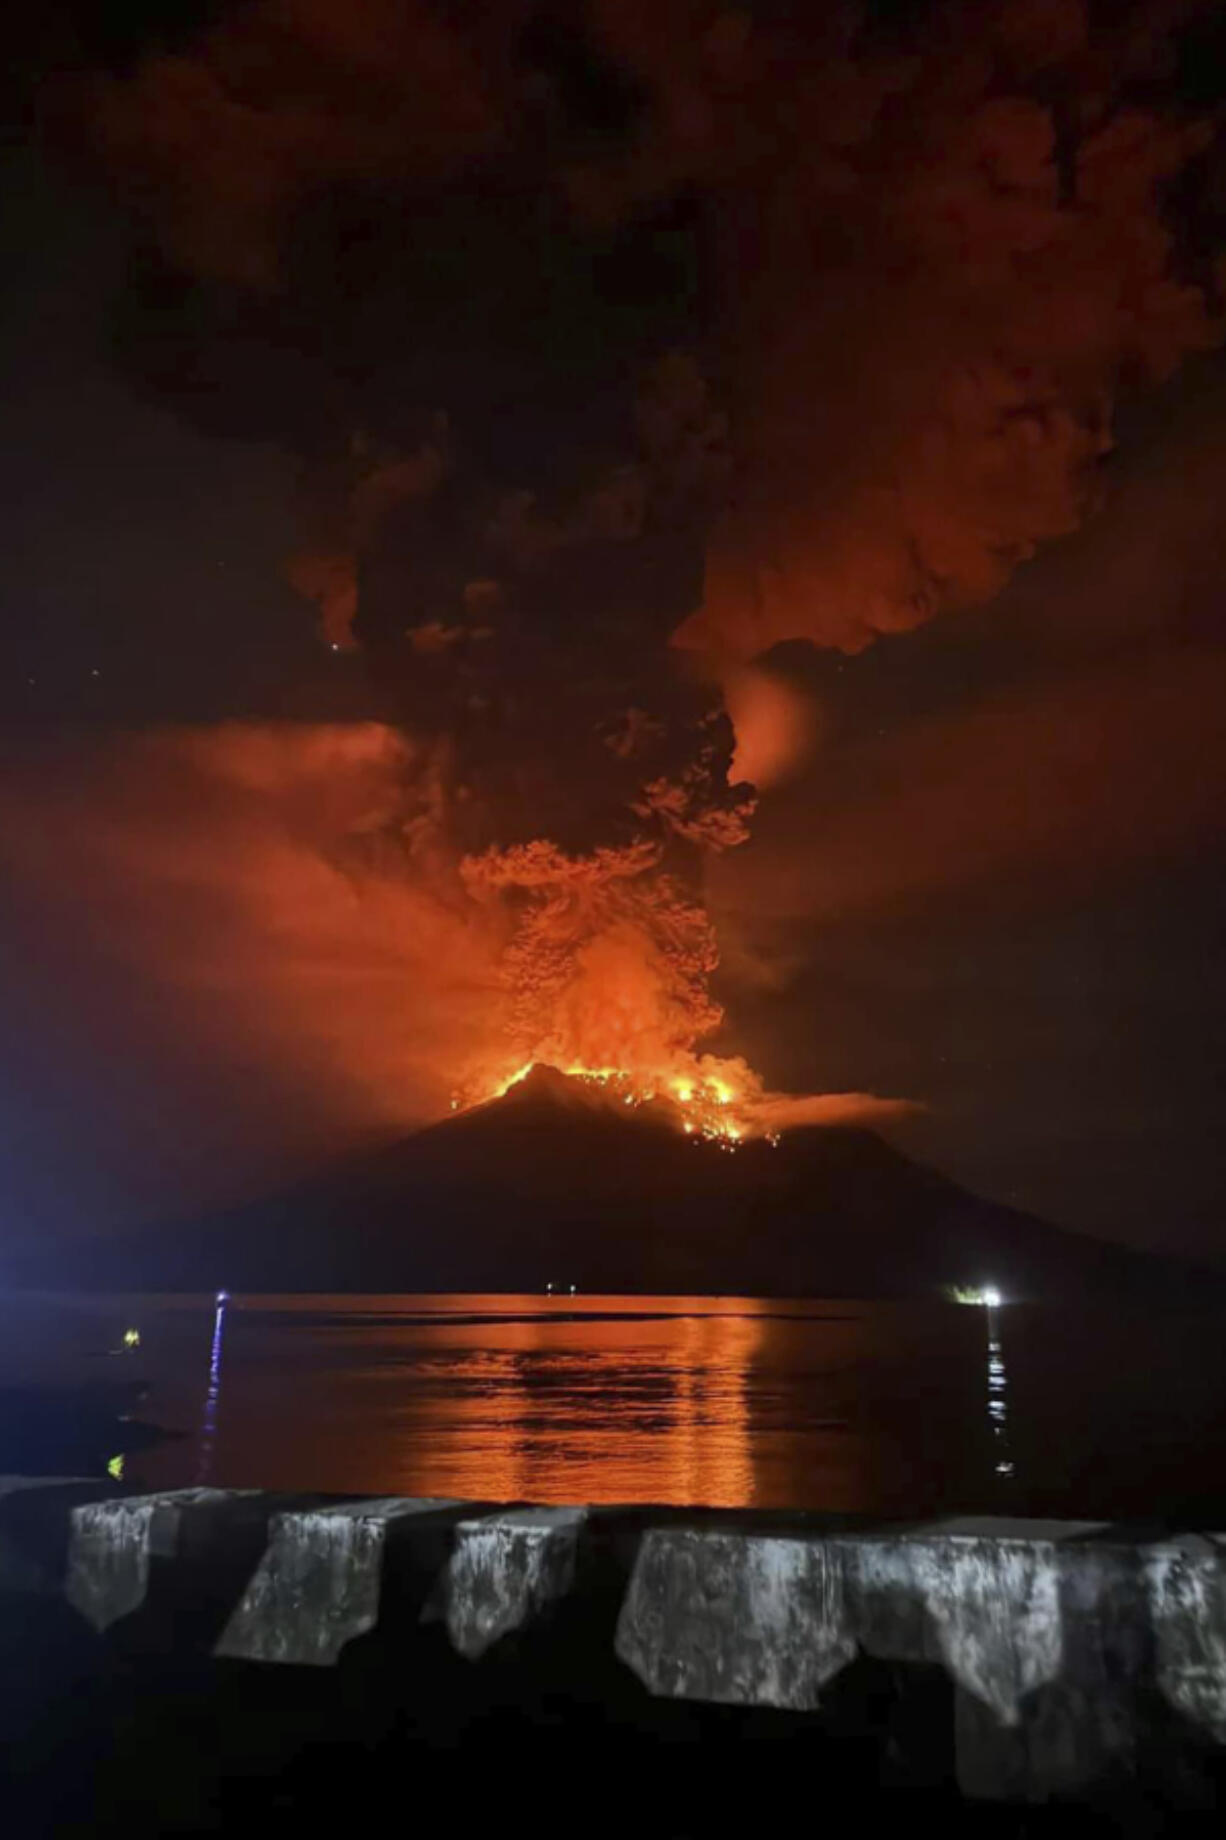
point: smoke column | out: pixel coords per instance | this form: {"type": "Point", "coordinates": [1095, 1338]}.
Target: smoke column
{"type": "Point", "coordinates": [621, 344]}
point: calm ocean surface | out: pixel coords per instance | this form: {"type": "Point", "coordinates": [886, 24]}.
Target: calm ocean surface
{"type": "Point", "coordinates": [860, 1408]}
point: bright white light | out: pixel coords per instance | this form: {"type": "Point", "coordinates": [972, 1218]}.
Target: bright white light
{"type": "Point", "coordinates": [992, 1298]}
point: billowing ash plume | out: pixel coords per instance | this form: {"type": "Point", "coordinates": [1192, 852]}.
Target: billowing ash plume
{"type": "Point", "coordinates": [621, 343]}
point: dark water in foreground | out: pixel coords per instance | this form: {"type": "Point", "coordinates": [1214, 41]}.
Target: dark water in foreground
{"type": "Point", "coordinates": [870, 1408]}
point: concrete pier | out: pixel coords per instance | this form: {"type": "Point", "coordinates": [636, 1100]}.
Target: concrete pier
{"type": "Point", "coordinates": [1062, 1656]}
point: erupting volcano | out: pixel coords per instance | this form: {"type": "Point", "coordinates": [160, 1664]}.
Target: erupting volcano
{"type": "Point", "coordinates": [619, 353]}
{"type": "Point", "coordinates": [617, 349]}
{"type": "Point", "coordinates": [705, 1105]}
{"type": "Point", "coordinates": [606, 979]}
{"type": "Point", "coordinates": [559, 1182]}
{"type": "Point", "coordinates": [605, 976]}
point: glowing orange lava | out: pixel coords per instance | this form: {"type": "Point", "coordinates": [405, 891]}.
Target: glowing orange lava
{"type": "Point", "coordinates": [708, 1100]}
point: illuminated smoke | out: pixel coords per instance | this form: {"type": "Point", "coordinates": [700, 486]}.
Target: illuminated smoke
{"type": "Point", "coordinates": [623, 344]}
{"type": "Point", "coordinates": [609, 961]}
{"type": "Point", "coordinates": [776, 725]}
{"type": "Point", "coordinates": [269, 911]}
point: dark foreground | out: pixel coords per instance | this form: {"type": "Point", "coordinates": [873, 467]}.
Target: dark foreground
{"type": "Point", "coordinates": [212, 1661]}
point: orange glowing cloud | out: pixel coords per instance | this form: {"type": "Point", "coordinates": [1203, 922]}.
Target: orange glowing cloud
{"type": "Point", "coordinates": [924, 278]}
{"type": "Point", "coordinates": [246, 913]}
{"type": "Point", "coordinates": [776, 726]}
{"type": "Point", "coordinates": [1031, 793]}
{"type": "Point", "coordinates": [789, 1111]}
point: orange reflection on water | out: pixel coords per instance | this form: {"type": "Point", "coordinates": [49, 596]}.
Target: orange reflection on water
{"type": "Point", "coordinates": [558, 1405]}
{"type": "Point", "coordinates": [722, 1402]}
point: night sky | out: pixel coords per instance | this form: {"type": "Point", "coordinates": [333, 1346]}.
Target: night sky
{"type": "Point", "coordinates": [987, 876]}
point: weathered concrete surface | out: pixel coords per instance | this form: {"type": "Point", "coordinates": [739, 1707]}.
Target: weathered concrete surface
{"type": "Point", "coordinates": [769, 1620]}
{"type": "Point", "coordinates": [1041, 1627]}
{"type": "Point", "coordinates": [1186, 1588]}
{"type": "Point", "coordinates": [1078, 1655]}
{"type": "Point", "coordinates": [506, 1570]}
{"type": "Point", "coordinates": [113, 1544]}
{"type": "Point", "coordinates": [320, 1582]}
{"type": "Point", "coordinates": [729, 1617]}
{"type": "Point", "coordinates": [982, 1597]}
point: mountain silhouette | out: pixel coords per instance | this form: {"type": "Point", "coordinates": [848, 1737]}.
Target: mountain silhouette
{"type": "Point", "coordinates": [559, 1182]}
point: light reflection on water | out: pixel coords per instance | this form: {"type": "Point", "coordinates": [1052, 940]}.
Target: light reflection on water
{"type": "Point", "coordinates": [998, 1398]}
{"type": "Point", "coordinates": [877, 1408]}
{"type": "Point", "coordinates": [212, 1396]}
{"type": "Point", "coordinates": [541, 1408]}
{"type": "Point", "coordinates": [723, 1402]}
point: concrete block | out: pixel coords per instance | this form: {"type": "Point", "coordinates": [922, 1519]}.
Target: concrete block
{"type": "Point", "coordinates": [982, 1597]}
{"type": "Point", "coordinates": [736, 1617]}
{"type": "Point", "coordinates": [506, 1570]}
{"type": "Point", "coordinates": [114, 1544]}
{"type": "Point", "coordinates": [320, 1582]}
{"type": "Point", "coordinates": [1186, 1590]}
